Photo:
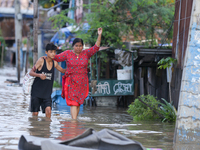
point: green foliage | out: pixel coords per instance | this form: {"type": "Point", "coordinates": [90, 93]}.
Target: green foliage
{"type": "Point", "coordinates": [140, 111]}
{"type": "Point", "coordinates": [166, 62]}
{"type": "Point", "coordinates": [140, 18]}
{"type": "Point", "coordinates": [48, 3]}
{"type": "Point", "coordinates": [24, 41]}
{"type": "Point", "coordinates": [66, 46]}
{"type": "Point", "coordinates": [30, 60]}
{"type": "Point", "coordinates": [104, 15]}
{"type": "Point", "coordinates": [102, 58]}
{"type": "Point", "coordinates": [168, 111]}
{"type": "Point", "coordinates": [56, 85]}
{"type": "Point", "coordinates": [58, 21]}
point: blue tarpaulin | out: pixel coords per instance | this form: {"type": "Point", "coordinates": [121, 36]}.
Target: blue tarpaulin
{"type": "Point", "coordinates": [60, 36]}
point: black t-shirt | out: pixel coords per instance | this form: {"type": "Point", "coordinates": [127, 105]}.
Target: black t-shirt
{"type": "Point", "coordinates": [43, 88]}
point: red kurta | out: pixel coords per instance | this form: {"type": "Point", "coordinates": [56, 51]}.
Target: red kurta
{"type": "Point", "coordinates": [75, 81]}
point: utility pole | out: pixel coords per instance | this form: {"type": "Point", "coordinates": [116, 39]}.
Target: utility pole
{"type": "Point", "coordinates": [18, 31]}
{"type": "Point", "coordinates": [27, 52]}
{"type": "Point", "coordinates": [18, 58]}
{"type": "Point", "coordinates": [35, 32]}
{"type": "Point", "coordinates": [2, 51]}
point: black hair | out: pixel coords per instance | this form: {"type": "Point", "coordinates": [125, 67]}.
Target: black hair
{"type": "Point", "coordinates": [76, 40]}
{"type": "Point", "coordinates": [50, 46]}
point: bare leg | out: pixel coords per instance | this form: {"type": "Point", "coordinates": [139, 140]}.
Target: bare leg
{"type": "Point", "coordinates": [35, 114]}
{"type": "Point", "coordinates": [78, 110]}
{"type": "Point", "coordinates": [74, 110]}
{"type": "Point", "coordinates": [48, 112]}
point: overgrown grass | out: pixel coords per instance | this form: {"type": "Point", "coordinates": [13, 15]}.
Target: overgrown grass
{"type": "Point", "coordinates": [147, 107]}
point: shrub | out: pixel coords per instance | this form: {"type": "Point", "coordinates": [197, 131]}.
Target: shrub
{"type": "Point", "coordinates": [168, 111]}
{"type": "Point", "coordinates": [140, 111]}
{"type": "Point", "coordinates": [147, 107]}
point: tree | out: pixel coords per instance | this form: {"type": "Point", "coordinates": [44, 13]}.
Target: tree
{"type": "Point", "coordinates": [136, 20]}
{"type": "Point", "coordinates": [144, 19]}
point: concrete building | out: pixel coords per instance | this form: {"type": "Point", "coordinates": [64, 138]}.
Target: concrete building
{"type": "Point", "coordinates": [7, 25]}
{"type": "Point", "coordinates": [187, 131]}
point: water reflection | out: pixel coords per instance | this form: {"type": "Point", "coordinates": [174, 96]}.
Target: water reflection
{"type": "Point", "coordinates": [70, 129]}
{"type": "Point", "coordinates": [16, 120]}
{"type": "Point", "coordinates": [39, 126]}
{"type": "Point", "coordinates": [153, 134]}
{"type": "Point", "coordinates": [19, 121]}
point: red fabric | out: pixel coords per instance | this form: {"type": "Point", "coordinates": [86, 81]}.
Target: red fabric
{"type": "Point", "coordinates": [66, 89]}
{"type": "Point", "coordinates": [70, 129]}
{"type": "Point", "coordinates": [63, 86]}
{"type": "Point", "coordinates": [76, 74]}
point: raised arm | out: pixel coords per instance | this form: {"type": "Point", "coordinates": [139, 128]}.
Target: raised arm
{"type": "Point", "coordinates": [61, 57]}
{"type": "Point", "coordinates": [98, 42]}
{"type": "Point", "coordinates": [91, 51]}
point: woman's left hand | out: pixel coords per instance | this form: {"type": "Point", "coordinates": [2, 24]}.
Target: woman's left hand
{"type": "Point", "coordinates": [100, 30]}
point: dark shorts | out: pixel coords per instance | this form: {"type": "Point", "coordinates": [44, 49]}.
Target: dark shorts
{"type": "Point", "coordinates": [37, 102]}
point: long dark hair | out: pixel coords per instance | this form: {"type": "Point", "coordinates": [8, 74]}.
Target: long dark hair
{"type": "Point", "coordinates": [76, 40]}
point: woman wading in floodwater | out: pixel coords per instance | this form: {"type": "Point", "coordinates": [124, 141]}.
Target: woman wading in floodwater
{"type": "Point", "coordinates": [75, 81]}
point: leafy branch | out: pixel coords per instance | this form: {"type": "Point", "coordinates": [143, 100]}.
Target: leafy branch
{"type": "Point", "coordinates": [147, 107]}
{"type": "Point", "coordinates": [166, 62]}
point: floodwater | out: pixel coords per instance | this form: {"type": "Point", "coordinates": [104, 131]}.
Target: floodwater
{"type": "Point", "coordinates": [15, 120]}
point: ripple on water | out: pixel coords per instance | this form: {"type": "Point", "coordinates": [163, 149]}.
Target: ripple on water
{"type": "Point", "coordinates": [118, 125]}
{"type": "Point", "coordinates": [138, 131]}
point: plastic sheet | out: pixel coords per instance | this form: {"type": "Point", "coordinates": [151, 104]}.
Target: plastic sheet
{"type": "Point", "coordinates": [103, 140]}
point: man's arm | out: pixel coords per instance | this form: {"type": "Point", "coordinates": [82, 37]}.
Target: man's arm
{"type": "Point", "coordinates": [59, 68]}
{"type": "Point", "coordinates": [35, 67]}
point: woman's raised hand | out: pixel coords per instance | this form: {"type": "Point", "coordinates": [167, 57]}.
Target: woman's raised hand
{"type": "Point", "coordinates": [100, 30]}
